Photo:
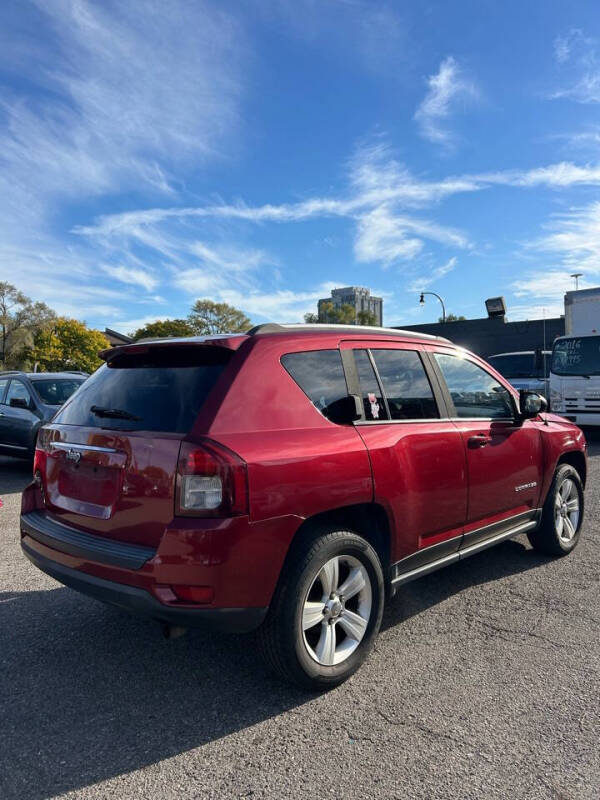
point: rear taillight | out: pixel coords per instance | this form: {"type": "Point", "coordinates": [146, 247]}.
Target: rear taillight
{"type": "Point", "coordinates": [212, 481]}
{"type": "Point", "coordinates": [39, 462]}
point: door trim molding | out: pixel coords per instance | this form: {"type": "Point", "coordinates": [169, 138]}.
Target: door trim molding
{"type": "Point", "coordinates": [433, 558]}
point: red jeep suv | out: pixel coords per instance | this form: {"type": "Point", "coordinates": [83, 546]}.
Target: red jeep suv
{"type": "Point", "coordinates": [288, 478]}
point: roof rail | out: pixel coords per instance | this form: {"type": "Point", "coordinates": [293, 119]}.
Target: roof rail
{"type": "Point", "coordinates": [266, 327]}
{"type": "Point", "coordinates": [274, 327]}
{"type": "Point", "coordinates": [12, 372]}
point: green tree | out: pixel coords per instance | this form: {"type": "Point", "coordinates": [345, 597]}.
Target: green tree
{"type": "Point", "coordinates": [366, 318]}
{"type": "Point", "coordinates": [19, 321]}
{"type": "Point", "coordinates": [451, 318]}
{"type": "Point", "coordinates": [341, 315]}
{"type": "Point", "coordinates": [337, 315]}
{"type": "Point", "coordinates": [67, 344]}
{"type": "Point", "coordinates": [207, 317]}
{"type": "Point", "coordinates": [163, 328]}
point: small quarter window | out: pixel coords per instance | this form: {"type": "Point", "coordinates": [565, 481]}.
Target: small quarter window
{"type": "Point", "coordinates": [320, 375]}
{"type": "Point", "coordinates": [474, 392]}
{"type": "Point", "coordinates": [405, 384]}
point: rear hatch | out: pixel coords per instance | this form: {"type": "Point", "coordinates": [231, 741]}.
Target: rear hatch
{"type": "Point", "coordinates": [109, 458]}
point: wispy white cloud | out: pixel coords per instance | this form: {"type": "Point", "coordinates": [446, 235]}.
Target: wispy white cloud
{"type": "Point", "coordinates": [372, 34]}
{"type": "Point", "coordinates": [562, 48]}
{"type": "Point", "coordinates": [387, 237]}
{"type": "Point", "coordinates": [423, 282]}
{"type": "Point", "coordinates": [376, 180]}
{"type": "Point", "coordinates": [135, 277]}
{"type": "Point", "coordinates": [544, 309]}
{"type": "Point", "coordinates": [574, 237]}
{"type": "Point", "coordinates": [577, 56]}
{"type": "Point", "coordinates": [281, 305]}
{"type": "Point", "coordinates": [554, 176]}
{"type": "Point", "coordinates": [123, 99]}
{"type": "Point", "coordinates": [215, 268]}
{"type": "Point", "coordinates": [549, 285]}
{"type": "Point", "coordinates": [584, 141]}
{"type": "Point", "coordinates": [379, 203]}
{"type": "Point", "coordinates": [572, 243]}
{"type": "Point", "coordinates": [447, 89]}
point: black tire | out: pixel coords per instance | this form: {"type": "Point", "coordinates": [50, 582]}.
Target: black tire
{"type": "Point", "coordinates": [547, 537]}
{"type": "Point", "coordinates": [283, 641]}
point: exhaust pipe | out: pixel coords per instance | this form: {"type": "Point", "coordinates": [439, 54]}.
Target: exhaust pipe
{"type": "Point", "coordinates": [173, 631]}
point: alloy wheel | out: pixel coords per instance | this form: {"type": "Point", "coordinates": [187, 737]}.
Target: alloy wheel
{"type": "Point", "coordinates": [336, 610]}
{"type": "Point", "coordinates": [566, 510]}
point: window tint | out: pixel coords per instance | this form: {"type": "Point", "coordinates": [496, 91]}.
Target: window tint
{"type": "Point", "coordinates": [405, 383]}
{"type": "Point", "coordinates": [320, 375]}
{"type": "Point", "coordinates": [369, 388]}
{"type": "Point", "coordinates": [57, 391]}
{"type": "Point", "coordinates": [19, 390]}
{"type": "Point", "coordinates": [474, 392]}
{"type": "Point", "coordinates": [3, 384]}
{"type": "Point", "coordinates": [162, 389]}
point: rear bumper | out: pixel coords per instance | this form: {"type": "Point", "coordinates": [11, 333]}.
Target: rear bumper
{"type": "Point", "coordinates": [236, 561]}
{"type": "Point", "coordinates": [139, 602]}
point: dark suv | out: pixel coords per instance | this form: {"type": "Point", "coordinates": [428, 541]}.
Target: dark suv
{"type": "Point", "coordinates": [27, 400]}
{"type": "Point", "coordinates": [287, 478]}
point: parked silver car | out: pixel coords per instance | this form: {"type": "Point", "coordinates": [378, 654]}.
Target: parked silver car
{"type": "Point", "coordinates": [27, 401]}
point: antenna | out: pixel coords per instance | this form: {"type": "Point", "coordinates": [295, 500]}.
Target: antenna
{"type": "Point", "coordinates": [576, 275]}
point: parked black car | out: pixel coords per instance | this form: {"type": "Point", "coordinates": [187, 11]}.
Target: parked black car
{"type": "Point", "coordinates": [27, 401]}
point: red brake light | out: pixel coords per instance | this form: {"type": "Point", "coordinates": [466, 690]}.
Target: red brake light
{"type": "Point", "coordinates": [39, 462]}
{"type": "Point", "coordinates": [194, 594]}
{"type": "Point", "coordinates": [212, 481]}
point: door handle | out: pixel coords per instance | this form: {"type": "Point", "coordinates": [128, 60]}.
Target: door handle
{"type": "Point", "coordinates": [479, 440]}
{"type": "Point", "coordinates": [2, 413]}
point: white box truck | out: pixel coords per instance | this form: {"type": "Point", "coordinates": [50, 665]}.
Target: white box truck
{"type": "Point", "coordinates": [575, 365]}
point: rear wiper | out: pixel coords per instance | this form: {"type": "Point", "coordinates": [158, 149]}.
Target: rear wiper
{"type": "Point", "coordinates": [116, 413]}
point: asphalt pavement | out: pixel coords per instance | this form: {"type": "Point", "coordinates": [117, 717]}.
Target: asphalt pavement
{"type": "Point", "coordinates": [484, 683]}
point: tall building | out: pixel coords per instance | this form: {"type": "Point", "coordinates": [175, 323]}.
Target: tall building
{"type": "Point", "coordinates": [356, 296]}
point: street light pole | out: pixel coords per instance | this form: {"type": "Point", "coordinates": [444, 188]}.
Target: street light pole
{"type": "Point", "coordinates": [422, 302]}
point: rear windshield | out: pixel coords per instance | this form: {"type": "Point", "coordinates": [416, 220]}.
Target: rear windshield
{"type": "Point", "coordinates": [56, 391]}
{"type": "Point", "coordinates": [162, 389]}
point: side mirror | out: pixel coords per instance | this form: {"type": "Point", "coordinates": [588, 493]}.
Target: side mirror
{"type": "Point", "coordinates": [19, 402]}
{"type": "Point", "coordinates": [531, 404]}
{"type": "Point", "coordinates": [344, 411]}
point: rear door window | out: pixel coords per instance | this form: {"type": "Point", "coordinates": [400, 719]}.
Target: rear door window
{"type": "Point", "coordinates": [320, 375]}
{"type": "Point", "coordinates": [405, 384]}
{"type": "Point", "coordinates": [162, 389]}
{"type": "Point", "coordinates": [373, 403]}
{"type": "Point", "coordinates": [3, 385]}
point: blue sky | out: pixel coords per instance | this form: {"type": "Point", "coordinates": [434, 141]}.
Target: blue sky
{"type": "Point", "coordinates": [262, 153]}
